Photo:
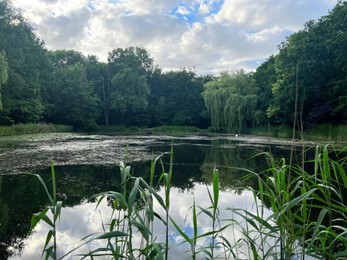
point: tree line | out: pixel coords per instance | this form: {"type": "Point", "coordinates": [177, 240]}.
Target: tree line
{"type": "Point", "coordinates": [307, 77]}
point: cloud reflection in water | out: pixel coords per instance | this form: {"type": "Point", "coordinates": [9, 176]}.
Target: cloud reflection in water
{"type": "Point", "coordinates": [79, 221]}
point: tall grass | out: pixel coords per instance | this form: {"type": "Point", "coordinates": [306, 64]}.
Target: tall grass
{"type": "Point", "coordinates": [20, 129]}
{"type": "Point", "coordinates": [54, 209]}
{"type": "Point", "coordinates": [328, 132]}
{"type": "Point", "coordinates": [308, 215]}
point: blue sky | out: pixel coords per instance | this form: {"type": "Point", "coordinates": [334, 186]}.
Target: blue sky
{"type": "Point", "coordinates": [191, 13]}
{"type": "Point", "coordinates": [210, 36]}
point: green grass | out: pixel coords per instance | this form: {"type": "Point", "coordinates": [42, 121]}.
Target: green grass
{"type": "Point", "coordinates": [323, 132]}
{"type": "Point", "coordinates": [21, 129]}
{"type": "Point", "coordinates": [308, 214]}
{"type": "Point", "coordinates": [327, 132]}
{"type": "Point", "coordinates": [273, 131]}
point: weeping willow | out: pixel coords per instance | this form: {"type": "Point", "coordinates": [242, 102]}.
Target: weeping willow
{"type": "Point", "coordinates": [231, 101]}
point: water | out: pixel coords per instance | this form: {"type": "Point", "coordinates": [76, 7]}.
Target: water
{"type": "Point", "coordinates": [86, 165]}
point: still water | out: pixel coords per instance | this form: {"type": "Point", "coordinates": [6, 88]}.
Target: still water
{"type": "Point", "coordinates": [86, 165]}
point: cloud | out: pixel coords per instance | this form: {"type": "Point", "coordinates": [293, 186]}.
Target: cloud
{"type": "Point", "coordinates": [211, 36]}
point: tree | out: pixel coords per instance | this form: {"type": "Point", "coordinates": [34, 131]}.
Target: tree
{"type": "Point", "coordinates": [21, 95]}
{"type": "Point", "coordinates": [314, 61]}
{"type": "Point", "coordinates": [264, 77]}
{"type": "Point", "coordinates": [176, 99]}
{"type": "Point", "coordinates": [128, 90]}
{"type": "Point", "coordinates": [232, 101]}
{"type": "Point", "coordinates": [98, 76]}
{"type": "Point", "coordinates": [3, 73]}
{"type": "Point", "coordinates": [71, 96]}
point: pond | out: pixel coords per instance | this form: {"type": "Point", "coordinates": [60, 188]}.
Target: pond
{"type": "Point", "coordinates": [86, 165]}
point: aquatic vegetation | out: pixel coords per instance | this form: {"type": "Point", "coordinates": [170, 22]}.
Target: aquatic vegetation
{"type": "Point", "coordinates": [307, 215]}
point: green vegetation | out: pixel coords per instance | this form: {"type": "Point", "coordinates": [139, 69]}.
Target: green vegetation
{"type": "Point", "coordinates": [231, 100]}
{"type": "Point", "coordinates": [176, 130]}
{"type": "Point", "coordinates": [306, 78]}
{"type": "Point", "coordinates": [308, 215]}
{"type": "Point", "coordinates": [328, 132]}
{"type": "Point", "coordinates": [50, 251]}
{"type": "Point", "coordinates": [21, 129]}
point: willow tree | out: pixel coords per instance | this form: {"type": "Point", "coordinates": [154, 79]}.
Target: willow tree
{"type": "Point", "coordinates": [232, 102]}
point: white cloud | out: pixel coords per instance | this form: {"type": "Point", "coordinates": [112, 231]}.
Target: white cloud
{"type": "Point", "coordinates": [182, 10]}
{"type": "Point", "coordinates": [211, 36]}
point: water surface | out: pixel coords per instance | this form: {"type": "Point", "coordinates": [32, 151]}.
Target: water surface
{"type": "Point", "coordinates": [87, 164]}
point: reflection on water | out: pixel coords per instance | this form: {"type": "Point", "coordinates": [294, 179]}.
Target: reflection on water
{"type": "Point", "coordinates": [85, 165]}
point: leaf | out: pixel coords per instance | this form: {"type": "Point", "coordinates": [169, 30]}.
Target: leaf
{"type": "Point", "coordinates": [48, 239]}
{"type": "Point", "coordinates": [142, 228]}
{"type": "Point", "coordinates": [58, 210]}
{"type": "Point", "coordinates": [186, 238]}
{"type": "Point", "coordinates": [215, 191]}
{"type": "Point", "coordinates": [44, 186]}
{"type": "Point", "coordinates": [195, 224]}
{"type": "Point", "coordinates": [112, 234]}
{"type": "Point", "coordinates": [37, 218]}
{"type": "Point", "coordinates": [155, 194]}
{"type": "Point", "coordinates": [208, 213]}
{"type": "Point", "coordinates": [133, 195]}
{"type": "Point", "coordinates": [48, 221]}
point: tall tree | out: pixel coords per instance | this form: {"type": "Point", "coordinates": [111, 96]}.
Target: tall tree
{"type": "Point", "coordinates": [21, 95]}
{"type": "Point", "coordinates": [232, 101]}
{"type": "Point", "coordinates": [72, 97]}
{"type": "Point", "coordinates": [176, 99]}
{"type": "Point", "coordinates": [264, 77]}
{"type": "Point", "coordinates": [127, 95]}
{"type": "Point", "coordinates": [314, 59]}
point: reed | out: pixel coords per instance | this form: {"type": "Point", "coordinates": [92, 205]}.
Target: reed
{"type": "Point", "coordinates": [328, 132]}
{"type": "Point", "coordinates": [307, 215]}
{"type": "Point", "coordinates": [49, 249]}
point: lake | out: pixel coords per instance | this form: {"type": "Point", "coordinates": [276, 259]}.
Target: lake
{"type": "Point", "coordinates": [87, 164]}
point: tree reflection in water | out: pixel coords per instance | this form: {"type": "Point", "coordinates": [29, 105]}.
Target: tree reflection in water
{"type": "Point", "coordinates": [194, 159]}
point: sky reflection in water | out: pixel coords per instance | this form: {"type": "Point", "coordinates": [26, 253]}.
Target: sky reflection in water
{"type": "Point", "coordinates": [85, 165]}
{"type": "Point", "coordinates": [81, 220]}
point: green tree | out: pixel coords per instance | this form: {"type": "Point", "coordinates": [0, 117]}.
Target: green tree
{"type": "Point", "coordinates": [3, 73]}
{"type": "Point", "coordinates": [264, 77]}
{"type": "Point", "coordinates": [126, 94]}
{"type": "Point", "coordinates": [311, 67]}
{"type": "Point", "coordinates": [232, 101]}
{"type": "Point", "coordinates": [21, 95]}
{"type": "Point", "coordinates": [130, 92]}
{"type": "Point", "coordinates": [71, 96]}
{"type": "Point", "coordinates": [176, 99]}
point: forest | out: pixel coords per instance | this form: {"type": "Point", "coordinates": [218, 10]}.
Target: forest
{"type": "Point", "coordinates": [307, 77]}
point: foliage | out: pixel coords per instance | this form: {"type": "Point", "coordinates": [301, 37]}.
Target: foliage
{"type": "Point", "coordinates": [130, 90]}
{"type": "Point", "coordinates": [54, 209]}
{"type": "Point", "coordinates": [232, 101]}
{"type": "Point", "coordinates": [176, 99]}
{"type": "Point", "coordinates": [21, 129]}
{"type": "Point", "coordinates": [328, 132]}
{"type": "Point", "coordinates": [127, 90]}
{"type": "Point", "coordinates": [71, 96]}
{"type": "Point", "coordinates": [307, 217]}
{"type": "Point", "coordinates": [21, 96]}
{"type": "Point", "coordinates": [313, 59]}
{"type": "Point", "coordinates": [3, 73]}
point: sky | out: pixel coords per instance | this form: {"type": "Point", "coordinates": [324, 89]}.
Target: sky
{"type": "Point", "coordinates": [209, 36]}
